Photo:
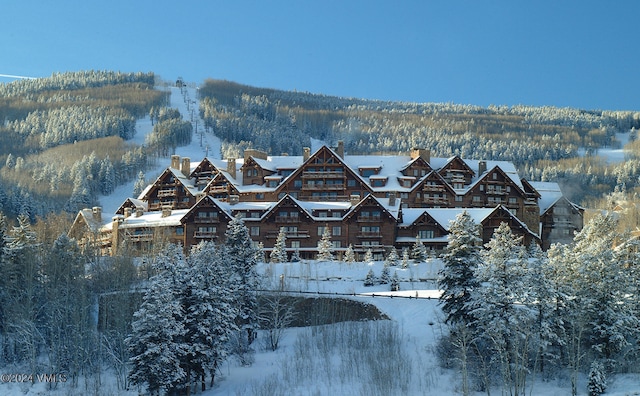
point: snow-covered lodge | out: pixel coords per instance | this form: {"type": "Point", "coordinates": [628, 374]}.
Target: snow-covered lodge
{"type": "Point", "coordinates": [371, 202]}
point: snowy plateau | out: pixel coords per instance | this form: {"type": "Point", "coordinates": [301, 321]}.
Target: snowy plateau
{"type": "Point", "coordinates": [316, 360]}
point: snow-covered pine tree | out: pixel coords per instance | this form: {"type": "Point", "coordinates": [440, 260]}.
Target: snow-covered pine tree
{"type": "Point", "coordinates": [385, 275]}
{"type": "Point", "coordinates": [210, 308]}
{"type": "Point", "coordinates": [392, 257]}
{"type": "Point", "coordinates": [240, 256]}
{"type": "Point", "coordinates": [395, 282]}
{"type": "Point", "coordinates": [457, 278]}
{"type": "Point", "coordinates": [370, 279]}
{"type": "Point", "coordinates": [325, 247]}
{"type": "Point", "coordinates": [157, 341]}
{"type": "Point", "coordinates": [139, 185]}
{"type": "Point", "coordinates": [405, 258]}
{"type": "Point", "coordinates": [597, 379]}
{"type": "Point", "coordinates": [349, 255]}
{"type": "Point", "coordinates": [279, 252]}
{"type": "Point", "coordinates": [501, 311]}
{"type": "Point", "coordinates": [295, 256]}
{"type": "Point", "coordinates": [418, 251]}
{"type": "Point", "coordinates": [368, 256]}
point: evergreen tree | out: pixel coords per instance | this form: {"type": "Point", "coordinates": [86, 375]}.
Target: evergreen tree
{"type": "Point", "coordinates": [279, 252]}
{"type": "Point", "coordinates": [457, 278]}
{"type": "Point", "coordinates": [405, 258]}
{"type": "Point", "coordinates": [139, 185]}
{"type": "Point", "coordinates": [418, 251]}
{"type": "Point", "coordinates": [325, 246]}
{"type": "Point", "coordinates": [597, 379]}
{"type": "Point", "coordinates": [368, 256]}
{"type": "Point", "coordinates": [395, 282]}
{"type": "Point", "coordinates": [370, 279]}
{"type": "Point", "coordinates": [210, 309]}
{"type": "Point", "coordinates": [385, 275]}
{"type": "Point", "coordinates": [392, 258]}
{"type": "Point", "coordinates": [156, 344]}
{"type": "Point", "coordinates": [240, 256]}
{"type": "Point", "coordinates": [349, 255]}
{"type": "Point", "coordinates": [501, 307]}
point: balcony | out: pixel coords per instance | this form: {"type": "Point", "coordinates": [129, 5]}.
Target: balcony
{"type": "Point", "coordinates": [322, 175]}
{"type": "Point", "coordinates": [368, 219]}
{"type": "Point", "coordinates": [435, 200]}
{"type": "Point", "coordinates": [206, 220]}
{"type": "Point", "coordinates": [287, 219]}
{"type": "Point", "coordinates": [167, 193]}
{"type": "Point", "coordinates": [218, 190]}
{"type": "Point", "coordinates": [323, 187]}
{"type": "Point", "coordinates": [205, 235]}
{"type": "Point", "coordinates": [290, 235]}
{"type": "Point", "coordinates": [432, 188]}
{"type": "Point", "coordinates": [142, 237]}
{"type": "Point", "coordinates": [370, 234]}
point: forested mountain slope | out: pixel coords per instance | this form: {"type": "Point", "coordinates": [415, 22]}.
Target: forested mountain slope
{"type": "Point", "coordinates": [544, 142]}
{"type": "Point", "coordinates": [64, 139]}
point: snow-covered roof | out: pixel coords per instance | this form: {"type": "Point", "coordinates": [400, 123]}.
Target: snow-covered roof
{"type": "Point", "coordinates": [550, 193]}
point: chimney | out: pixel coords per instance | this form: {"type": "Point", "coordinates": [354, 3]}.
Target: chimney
{"type": "Point", "coordinates": [422, 153]}
{"type": "Point", "coordinates": [139, 211]}
{"type": "Point", "coordinates": [175, 161]}
{"type": "Point", "coordinates": [340, 148]}
{"type": "Point", "coordinates": [234, 199]}
{"type": "Point", "coordinates": [97, 213]}
{"type": "Point", "coordinates": [255, 153]}
{"type": "Point", "coordinates": [166, 211]}
{"type": "Point", "coordinates": [354, 199]}
{"type": "Point", "coordinates": [482, 167]}
{"type": "Point", "coordinates": [392, 198]}
{"type": "Point", "coordinates": [306, 153]}
{"type": "Point", "coordinates": [127, 212]}
{"type": "Point", "coordinates": [186, 166]}
{"type": "Point", "coordinates": [231, 167]}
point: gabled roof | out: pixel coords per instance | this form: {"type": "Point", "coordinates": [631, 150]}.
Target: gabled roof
{"type": "Point", "coordinates": [206, 201]}
{"type": "Point", "coordinates": [87, 219]}
{"type": "Point", "coordinates": [178, 176]}
{"type": "Point", "coordinates": [133, 203]}
{"type": "Point", "coordinates": [433, 175]}
{"type": "Point", "coordinates": [550, 194]}
{"type": "Point", "coordinates": [513, 177]}
{"type": "Point", "coordinates": [392, 211]}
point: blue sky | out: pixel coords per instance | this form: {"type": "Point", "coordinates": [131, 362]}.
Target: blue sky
{"type": "Point", "coordinates": [583, 54]}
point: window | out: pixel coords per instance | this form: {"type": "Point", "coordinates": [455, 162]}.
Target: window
{"type": "Point", "coordinates": [180, 231]}
{"type": "Point", "coordinates": [295, 244]}
{"type": "Point", "coordinates": [476, 198]}
{"type": "Point", "coordinates": [336, 214]}
{"type": "Point", "coordinates": [370, 229]}
{"type": "Point", "coordinates": [297, 183]}
{"type": "Point", "coordinates": [459, 198]}
{"type": "Point", "coordinates": [336, 244]}
{"type": "Point", "coordinates": [336, 230]}
{"type": "Point", "coordinates": [321, 230]}
{"type": "Point", "coordinates": [291, 230]}
{"type": "Point", "coordinates": [254, 231]}
{"type": "Point", "coordinates": [259, 195]}
{"type": "Point", "coordinates": [513, 200]}
{"type": "Point", "coordinates": [495, 176]}
{"type": "Point", "coordinates": [425, 234]}
{"type": "Point", "coordinates": [351, 183]}
{"type": "Point", "coordinates": [255, 215]}
{"type": "Point", "coordinates": [322, 214]}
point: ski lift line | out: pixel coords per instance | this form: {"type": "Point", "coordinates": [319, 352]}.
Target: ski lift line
{"type": "Point", "coordinates": [371, 295]}
{"type": "Point", "coordinates": [15, 76]}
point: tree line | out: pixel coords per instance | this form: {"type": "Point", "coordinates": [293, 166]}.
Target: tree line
{"type": "Point", "coordinates": [516, 314]}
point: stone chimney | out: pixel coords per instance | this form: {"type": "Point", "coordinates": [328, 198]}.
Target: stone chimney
{"type": "Point", "coordinates": [392, 198]}
{"type": "Point", "coordinates": [231, 167]}
{"type": "Point", "coordinates": [306, 153]}
{"type": "Point", "coordinates": [127, 212]}
{"type": "Point", "coordinates": [254, 153]}
{"type": "Point", "coordinates": [97, 213]}
{"type": "Point", "coordinates": [175, 161]}
{"type": "Point", "coordinates": [482, 167]}
{"type": "Point", "coordinates": [233, 199]}
{"type": "Point", "coordinates": [422, 153]}
{"type": "Point", "coordinates": [139, 211]}
{"type": "Point", "coordinates": [354, 199]}
{"type": "Point", "coordinates": [340, 148]}
{"type": "Point", "coordinates": [166, 211]}
{"type": "Point", "coordinates": [186, 166]}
